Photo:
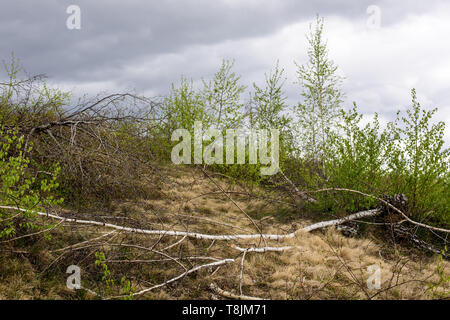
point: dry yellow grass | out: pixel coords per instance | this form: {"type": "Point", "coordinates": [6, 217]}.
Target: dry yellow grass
{"type": "Point", "coordinates": [323, 265]}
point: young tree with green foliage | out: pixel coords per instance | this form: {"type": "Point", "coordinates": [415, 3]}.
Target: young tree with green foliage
{"type": "Point", "coordinates": [222, 97]}
{"type": "Point", "coordinates": [269, 102]}
{"type": "Point", "coordinates": [321, 94]}
{"type": "Point", "coordinates": [184, 106]}
{"type": "Point", "coordinates": [418, 162]}
{"type": "Point", "coordinates": [268, 109]}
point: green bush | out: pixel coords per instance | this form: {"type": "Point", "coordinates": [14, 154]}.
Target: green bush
{"type": "Point", "coordinates": [355, 160]}
{"type": "Point", "coordinates": [19, 189]}
{"type": "Point", "coordinates": [418, 163]}
{"type": "Point", "coordinates": [408, 157]}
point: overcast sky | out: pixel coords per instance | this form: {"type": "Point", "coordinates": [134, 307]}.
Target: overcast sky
{"type": "Point", "coordinates": [147, 45]}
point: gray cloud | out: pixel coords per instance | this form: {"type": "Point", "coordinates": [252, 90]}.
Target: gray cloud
{"type": "Point", "coordinates": [147, 45]}
{"type": "Point", "coordinates": [116, 32]}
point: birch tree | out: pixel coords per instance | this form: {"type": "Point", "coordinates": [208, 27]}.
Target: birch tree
{"type": "Point", "coordinates": [270, 102]}
{"type": "Point", "coordinates": [269, 108]}
{"type": "Point", "coordinates": [222, 96]}
{"type": "Point", "coordinates": [321, 94]}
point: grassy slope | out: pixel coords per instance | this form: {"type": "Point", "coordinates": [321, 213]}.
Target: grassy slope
{"type": "Point", "coordinates": [326, 265]}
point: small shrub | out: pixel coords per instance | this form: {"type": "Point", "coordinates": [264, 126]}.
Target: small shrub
{"type": "Point", "coordinates": [19, 189]}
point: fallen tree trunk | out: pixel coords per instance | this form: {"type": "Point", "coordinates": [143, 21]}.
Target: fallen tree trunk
{"type": "Point", "coordinates": [319, 225]}
{"type": "Point", "coordinates": [358, 215]}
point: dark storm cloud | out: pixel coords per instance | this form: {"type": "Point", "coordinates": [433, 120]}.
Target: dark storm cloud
{"type": "Point", "coordinates": [147, 45]}
{"type": "Point", "coordinates": [114, 33]}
